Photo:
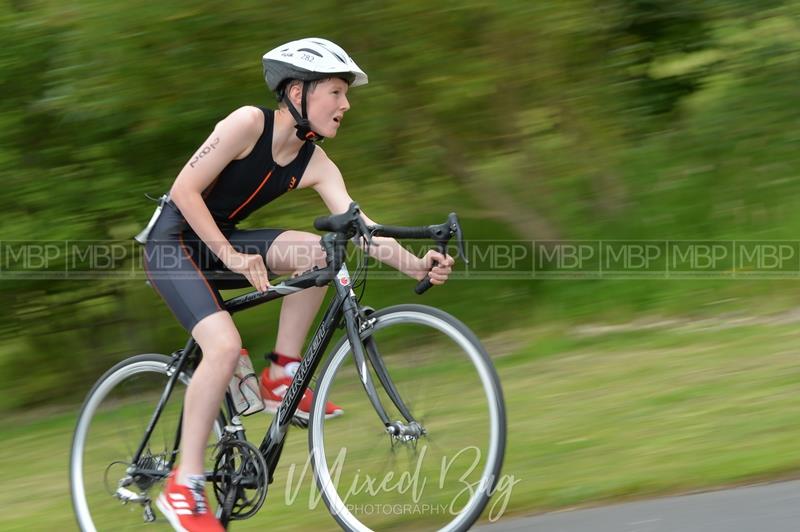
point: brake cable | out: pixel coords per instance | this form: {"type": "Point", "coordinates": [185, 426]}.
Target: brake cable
{"type": "Point", "coordinates": [365, 243]}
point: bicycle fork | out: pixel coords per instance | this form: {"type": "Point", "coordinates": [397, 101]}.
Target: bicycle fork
{"type": "Point", "coordinates": [359, 325]}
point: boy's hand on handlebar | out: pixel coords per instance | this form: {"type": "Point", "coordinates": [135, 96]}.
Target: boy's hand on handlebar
{"type": "Point", "coordinates": [252, 267]}
{"type": "Point", "coordinates": [438, 273]}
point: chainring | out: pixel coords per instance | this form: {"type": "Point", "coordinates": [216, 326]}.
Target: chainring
{"type": "Point", "coordinates": [239, 478]}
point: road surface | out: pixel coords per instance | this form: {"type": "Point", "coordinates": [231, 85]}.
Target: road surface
{"type": "Point", "coordinates": [762, 508]}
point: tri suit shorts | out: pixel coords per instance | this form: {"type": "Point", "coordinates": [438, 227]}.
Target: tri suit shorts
{"type": "Point", "coordinates": [186, 274]}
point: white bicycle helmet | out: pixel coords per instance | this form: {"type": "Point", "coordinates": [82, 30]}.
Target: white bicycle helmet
{"type": "Point", "coordinates": [308, 60]}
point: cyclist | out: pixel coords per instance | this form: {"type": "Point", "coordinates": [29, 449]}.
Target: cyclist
{"type": "Point", "coordinates": [253, 156]}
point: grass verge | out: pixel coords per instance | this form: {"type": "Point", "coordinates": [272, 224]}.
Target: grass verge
{"type": "Point", "coordinates": [591, 419]}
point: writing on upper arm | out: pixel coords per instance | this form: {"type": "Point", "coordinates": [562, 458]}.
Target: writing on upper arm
{"type": "Point", "coordinates": [205, 150]}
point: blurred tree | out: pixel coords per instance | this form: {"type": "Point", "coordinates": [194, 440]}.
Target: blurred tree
{"type": "Point", "coordinates": [570, 119]}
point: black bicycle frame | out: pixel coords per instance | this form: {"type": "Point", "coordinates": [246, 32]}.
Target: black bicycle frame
{"type": "Point", "coordinates": [343, 305]}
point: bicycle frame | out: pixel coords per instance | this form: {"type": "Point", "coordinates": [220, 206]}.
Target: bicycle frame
{"type": "Point", "coordinates": [343, 305]}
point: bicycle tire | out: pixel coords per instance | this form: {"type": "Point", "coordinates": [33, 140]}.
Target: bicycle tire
{"type": "Point", "coordinates": [456, 331]}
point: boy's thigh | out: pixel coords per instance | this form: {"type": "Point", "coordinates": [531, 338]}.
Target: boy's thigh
{"type": "Point", "coordinates": [295, 251]}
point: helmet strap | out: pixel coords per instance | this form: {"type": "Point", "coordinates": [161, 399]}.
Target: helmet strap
{"type": "Point", "coordinates": [304, 99]}
{"type": "Point", "coordinates": [303, 126]}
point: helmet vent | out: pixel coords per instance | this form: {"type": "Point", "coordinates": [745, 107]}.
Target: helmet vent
{"type": "Point", "coordinates": [309, 50]}
{"type": "Point", "coordinates": [337, 56]}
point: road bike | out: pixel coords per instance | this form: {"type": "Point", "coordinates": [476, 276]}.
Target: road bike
{"type": "Point", "coordinates": [422, 438]}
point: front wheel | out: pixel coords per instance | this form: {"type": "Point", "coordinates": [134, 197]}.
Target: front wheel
{"type": "Point", "coordinates": [441, 388]}
{"type": "Point", "coordinates": [109, 490]}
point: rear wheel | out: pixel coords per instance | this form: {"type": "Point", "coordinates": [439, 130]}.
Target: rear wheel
{"type": "Point", "coordinates": [109, 491]}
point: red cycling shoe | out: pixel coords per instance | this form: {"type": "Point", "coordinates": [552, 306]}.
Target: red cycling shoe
{"type": "Point", "coordinates": [186, 507]}
{"type": "Point", "coordinates": [273, 391]}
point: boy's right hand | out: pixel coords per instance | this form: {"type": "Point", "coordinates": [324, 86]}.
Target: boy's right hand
{"type": "Point", "coordinates": [251, 266]}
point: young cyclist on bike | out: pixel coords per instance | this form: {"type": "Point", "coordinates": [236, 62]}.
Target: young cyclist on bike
{"type": "Point", "coordinates": [253, 156]}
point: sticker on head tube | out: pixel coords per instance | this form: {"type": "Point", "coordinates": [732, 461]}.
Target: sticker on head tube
{"type": "Point", "coordinates": [343, 276]}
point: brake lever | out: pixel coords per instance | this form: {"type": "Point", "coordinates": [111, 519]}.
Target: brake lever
{"type": "Point", "coordinates": [445, 232]}
{"type": "Point", "coordinates": [365, 231]}
{"type": "Point", "coordinates": [455, 230]}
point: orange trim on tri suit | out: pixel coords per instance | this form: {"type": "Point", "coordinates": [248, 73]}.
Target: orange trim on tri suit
{"type": "Point", "coordinates": [150, 278]}
{"type": "Point", "coordinates": [203, 277]}
{"type": "Point", "coordinates": [253, 195]}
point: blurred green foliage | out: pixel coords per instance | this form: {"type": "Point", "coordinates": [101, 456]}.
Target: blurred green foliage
{"type": "Point", "coordinates": [623, 119]}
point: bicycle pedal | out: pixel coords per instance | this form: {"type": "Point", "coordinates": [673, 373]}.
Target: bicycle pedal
{"type": "Point", "coordinates": [149, 515]}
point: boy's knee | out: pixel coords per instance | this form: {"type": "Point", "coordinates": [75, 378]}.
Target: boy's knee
{"type": "Point", "coordinates": [224, 351]}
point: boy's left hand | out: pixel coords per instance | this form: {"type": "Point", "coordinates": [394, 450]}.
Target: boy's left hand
{"type": "Point", "coordinates": [438, 273]}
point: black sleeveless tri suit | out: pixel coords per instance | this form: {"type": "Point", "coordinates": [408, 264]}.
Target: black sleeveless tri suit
{"type": "Point", "coordinates": [181, 268]}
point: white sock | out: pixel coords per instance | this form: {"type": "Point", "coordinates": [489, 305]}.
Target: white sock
{"type": "Point", "coordinates": [191, 480]}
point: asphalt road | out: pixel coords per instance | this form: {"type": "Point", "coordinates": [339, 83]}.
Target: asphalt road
{"type": "Point", "coordinates": [762, 508]}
